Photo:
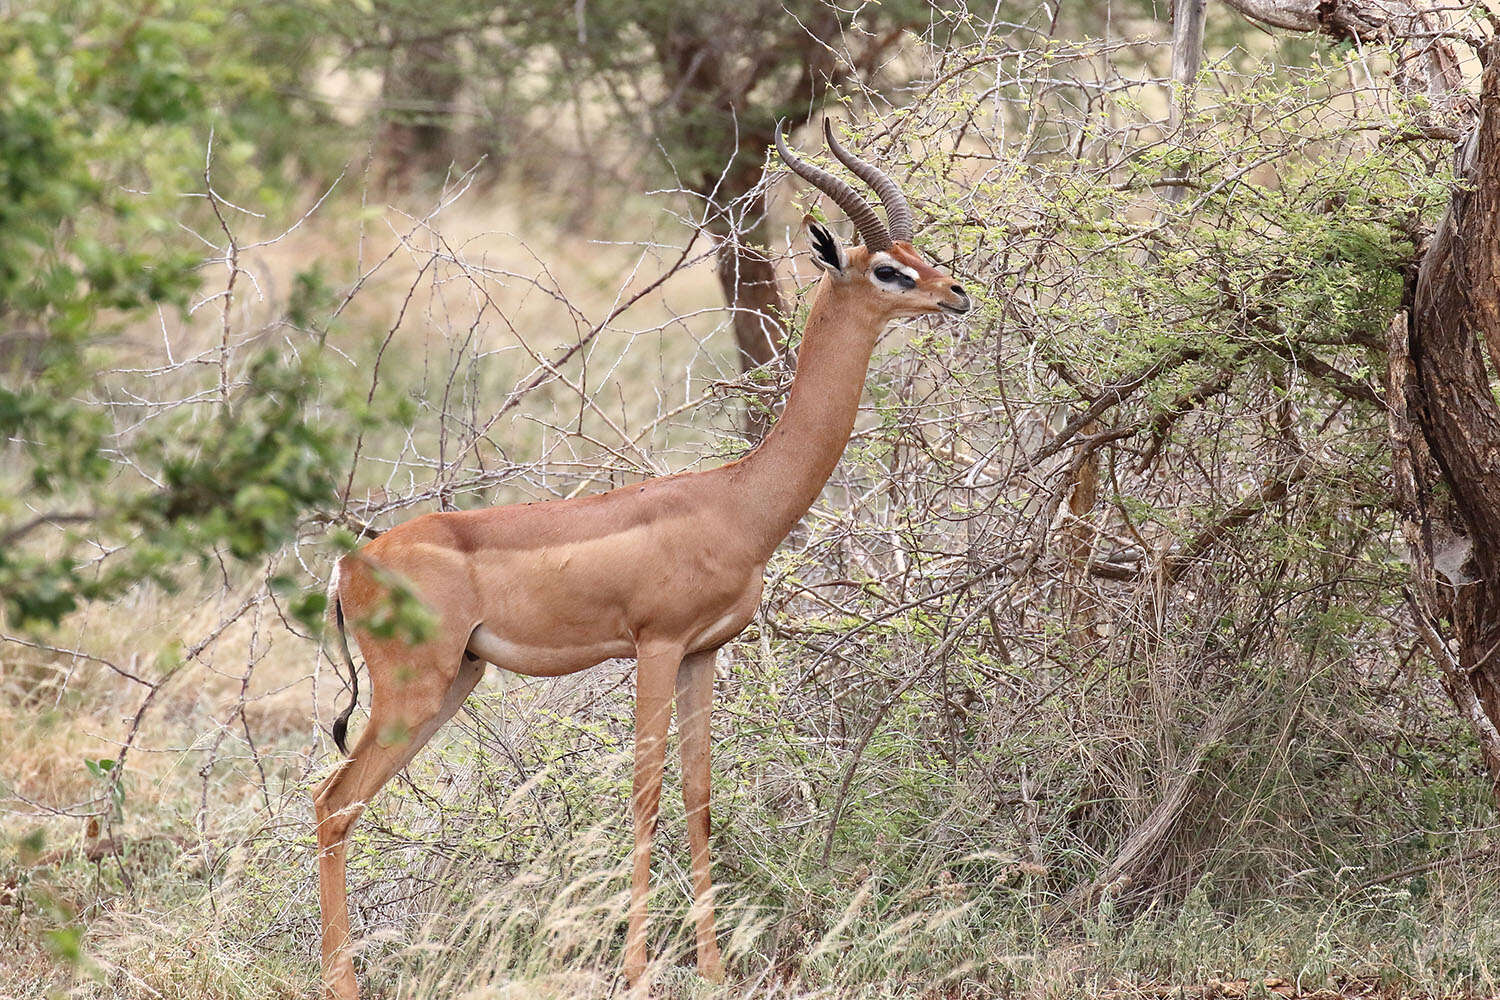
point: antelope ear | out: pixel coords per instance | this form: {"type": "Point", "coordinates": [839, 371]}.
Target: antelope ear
{"type": "Point", "coordinates": [827, 252]}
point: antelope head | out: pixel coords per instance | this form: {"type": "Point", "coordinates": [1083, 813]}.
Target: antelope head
{"type": "Point", "coordinates": [899, 281]}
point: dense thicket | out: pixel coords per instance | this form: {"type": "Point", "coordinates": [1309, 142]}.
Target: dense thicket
{"type": "Point", "coordinates": [107, 123]}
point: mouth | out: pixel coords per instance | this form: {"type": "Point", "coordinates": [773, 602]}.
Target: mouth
{"type": "Point", "coordinates": [954, 310]}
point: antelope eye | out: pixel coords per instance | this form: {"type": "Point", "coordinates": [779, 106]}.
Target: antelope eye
{"type": "Point", "coordinates": [887, 273]}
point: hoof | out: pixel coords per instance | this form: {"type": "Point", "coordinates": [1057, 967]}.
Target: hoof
{"type": "Point", "coordinates": [636, 983]}
{"type": "Point", "coordinates": [710, 965]}
{"type": "Point", "coordinates": [341, 985]}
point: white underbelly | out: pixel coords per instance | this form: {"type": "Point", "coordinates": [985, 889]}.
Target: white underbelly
{"type": "Point", "coordinates": [543, 661]}
{"type": "Point", "coordinates": [720, 632]}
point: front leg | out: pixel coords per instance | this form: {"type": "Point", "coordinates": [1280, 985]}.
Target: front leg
{"type": "Point", "coordinates": [695, 695]}
{"type": "Point", "coordinates": [656, 674]}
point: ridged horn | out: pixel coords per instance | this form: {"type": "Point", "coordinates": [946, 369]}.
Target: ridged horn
{"type": "Point", "coordinates": [897, 211]}
{"type": "Point", "coordinates": [860, 212]}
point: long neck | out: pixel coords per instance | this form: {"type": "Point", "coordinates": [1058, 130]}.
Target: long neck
{"type": "Point", "coordinates": [780, 479]}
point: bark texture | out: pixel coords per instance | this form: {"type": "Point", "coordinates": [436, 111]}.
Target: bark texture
{"type": "Point", "coordinates": [418, 92]}
{"type": "Point", "coordinates": [1444, 417]}
{"type": "Point", "coordinates": [1454, 330]}
{"type": "Point", "coordinates": [1187, 56]}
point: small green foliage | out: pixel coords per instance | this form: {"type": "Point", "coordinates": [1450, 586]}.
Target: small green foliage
{"type": "Point", "coordinates": [400, 613]}
{"type": "Point", "coordinates": [67, 943]}
{"type": "Point", "coordinates": [396, 734]}
{"type": "Point", "coordinates": [311, 297]}
{"type": "Point", "coordinates": [105, 115]}
{"type": "Point", "coordinates": [309, 609]}
{"type": "Point", "coordinates": [103, 771]}
{"type": "Point", "coordinates": [236, 479]}
{"type": "Point", "coordinates": [31, 846]}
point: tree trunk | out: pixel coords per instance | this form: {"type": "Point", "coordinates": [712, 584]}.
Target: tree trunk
{"type": "Point", "coordinates": [1448, 481]}
{"type": "Point", "coordinates": [1187, 59]}
{"type": "Point", "coordinates": [705, 75]}
{"type": "Point", "coordinates": [1187, 54]}
{"type": "Point", "coordinates": [748, 280]}
{"type": "Point", "coordinates": [417, 94]}
{"type": "Point", "coordinates": [1455, 317]}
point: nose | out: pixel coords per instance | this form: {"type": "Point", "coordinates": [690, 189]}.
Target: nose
{"type": "Point", "coordinates": [961, 305]}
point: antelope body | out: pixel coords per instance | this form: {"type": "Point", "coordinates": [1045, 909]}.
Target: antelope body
{"type": "Point", "coordinates": [665, 571]}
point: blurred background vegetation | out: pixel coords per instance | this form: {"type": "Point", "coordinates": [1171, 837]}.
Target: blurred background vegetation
{"type": "Point", "coordinates": [1100, 668]}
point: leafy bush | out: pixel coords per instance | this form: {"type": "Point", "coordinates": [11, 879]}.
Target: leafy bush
{"type": "Point", "coordinates": [104, 122]}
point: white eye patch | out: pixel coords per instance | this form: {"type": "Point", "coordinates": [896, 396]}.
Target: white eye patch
{"type": "Point", "coordinates": [886, 272]}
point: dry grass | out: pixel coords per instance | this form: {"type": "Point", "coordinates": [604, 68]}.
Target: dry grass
{"type": "Point", "coordinates": [228, 743]}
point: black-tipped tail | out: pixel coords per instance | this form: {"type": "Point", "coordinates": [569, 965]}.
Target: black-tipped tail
{"type": "Point", "coordinates": [341, 724]}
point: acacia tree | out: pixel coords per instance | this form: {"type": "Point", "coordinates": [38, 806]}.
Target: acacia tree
{"type": "Point", "coordinates": [1447, 468]}
{"type": "Point", "coordinates": [729, 73]}
{"type": "Point", "coordinates": [700, 84]}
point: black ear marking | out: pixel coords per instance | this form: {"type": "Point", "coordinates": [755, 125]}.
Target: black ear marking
{"type": "Point", "coordinates": [825, 246]}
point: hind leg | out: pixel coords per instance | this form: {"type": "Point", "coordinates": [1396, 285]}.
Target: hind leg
{"type": "Point", "coordinates": [401, 721]}
{"type": "Point", "coordinates": [695, 695]}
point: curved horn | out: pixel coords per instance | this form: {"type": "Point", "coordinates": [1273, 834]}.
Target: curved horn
{"type": "Point", "coordinates": [897, 211]}
{"type": "Point", "coordinates": [871, 229]}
